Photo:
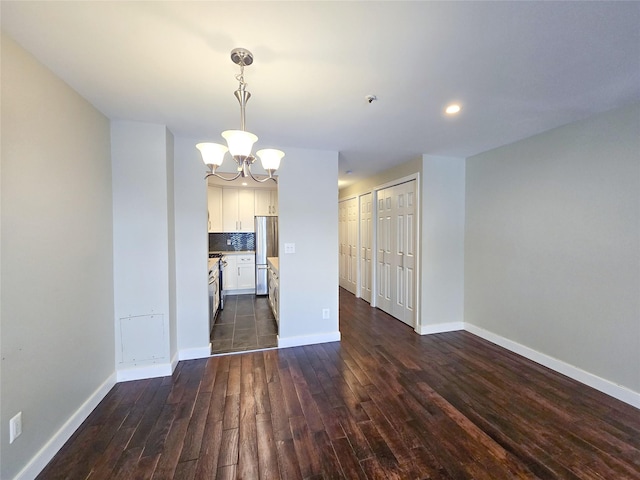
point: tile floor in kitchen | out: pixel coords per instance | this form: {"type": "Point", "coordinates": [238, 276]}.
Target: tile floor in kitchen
{"type": "Point", "coordinates": [246, 323]}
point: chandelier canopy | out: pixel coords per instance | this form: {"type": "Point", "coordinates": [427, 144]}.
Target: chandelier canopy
{"type": "Point", "coordinates": [240, 142]}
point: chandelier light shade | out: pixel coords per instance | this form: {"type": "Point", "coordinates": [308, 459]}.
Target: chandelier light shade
{"type": "Point", "coordinates": [270, 158]}
{"type": "Point", "coordinates": [212, 153]}
{"type": "Point", "coordinates": [240, 142]}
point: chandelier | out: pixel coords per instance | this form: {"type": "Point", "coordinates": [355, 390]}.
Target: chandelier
{"type": "Point", "coordinates": [240, 142]}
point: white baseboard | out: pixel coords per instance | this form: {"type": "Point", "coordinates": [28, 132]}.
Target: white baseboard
{"type": "Point", "coordinates": [145, 371]}
{"type": "Point", "coordinates": [439, 328]}
{"type": "Point", "coordinates": [194, 353]}
{"type": "Point", "coordinates": [241, 291]}
{"type": "Point", "coordinates": [308, 339]}
{"type": "Point", "coordinates": [55, 443]}
{"type": "Point", "coordinates": [617, 391]}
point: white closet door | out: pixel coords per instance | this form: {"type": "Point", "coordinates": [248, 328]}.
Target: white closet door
{"type": "Point", "coordinates": [352, 241]}
{"type": "Point", "coordinates": [404, 254]}
{"type": "Point", "coordinates": [384, 294]}
{"type": "Point", "coordinates": [396, 251]}
{"type": "Point", "coordinates": [342, 234]}
{"type": "Point", "coordinates": [366, 240]}
{"type": "Point", "coordinates": [348, 234]}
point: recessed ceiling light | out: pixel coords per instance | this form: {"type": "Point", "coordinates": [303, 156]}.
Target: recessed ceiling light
{"type": "Point", "coordinates": [452, 109]}
{"type": "Point", "coordinates": [244, 184]}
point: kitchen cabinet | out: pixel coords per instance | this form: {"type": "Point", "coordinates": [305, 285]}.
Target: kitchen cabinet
{"type": "Point", "coordinates": [229, 277]}
{"type": "Point", "coordinates": [214, 202]}
{"type": "Point", "coordinates": [214, 291]}
{"type": "Point", "coordinates": [239, 275]}
{"type": "Point", "coordinates": [266, 202]}
{"type": "Point", "coordinates": [274, 289]}
{"type": "Point", "coordinates": [246, 266]}
{"type": "Point", "coordinates": [238, 210]}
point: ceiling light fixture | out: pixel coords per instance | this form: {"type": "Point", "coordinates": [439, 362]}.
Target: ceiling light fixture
{"type": "Point", "coordinates": [240, 142]}
{"type": "Point", "coordinates": [452, 109]}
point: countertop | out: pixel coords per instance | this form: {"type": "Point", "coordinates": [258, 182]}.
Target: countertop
{"type": "Point", "coordinates": [273, 263]}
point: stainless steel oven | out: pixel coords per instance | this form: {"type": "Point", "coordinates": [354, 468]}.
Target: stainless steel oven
{"type": "Point", "coordinates": [221, 265]}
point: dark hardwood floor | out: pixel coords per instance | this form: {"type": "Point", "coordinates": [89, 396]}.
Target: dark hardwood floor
{"type": "Point", "coordinates": [384, 403]}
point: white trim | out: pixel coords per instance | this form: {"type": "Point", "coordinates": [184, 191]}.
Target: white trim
{"type": "Point", "coordinates": [238, 352]}
{"type": "Point", "coordinates": [439, 328]}
{"type": "Point", "coordinates": [145, 371]}
{"type": "Point", "coordinates": [397, 181]}
{"type": "Point", "coordinates": [308, 339]}
{"type": "Point", "coordinates": [55, 443]}
{"type": "Point", "coordinates": [194, 353]}
{"type": "Point", "coordinates": [606, 386]}
{"type": "Point", "coordinates": [240, 291]}
{"type": "Point", "coordinates": [174, 362]}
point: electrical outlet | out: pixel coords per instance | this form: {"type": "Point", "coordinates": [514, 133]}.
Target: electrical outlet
{"type": "Point", "coordinates": [228, 241]}
{"type": "Point", "coordinates": [289, 248]}
{"type": "Point", "coordinates": [325, 313]}
{"type": "Point", "coordinates": [15, 427]}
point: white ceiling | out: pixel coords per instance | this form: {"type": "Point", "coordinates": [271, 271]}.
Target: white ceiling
{"type": "Point", "coordinates": [518, 68]}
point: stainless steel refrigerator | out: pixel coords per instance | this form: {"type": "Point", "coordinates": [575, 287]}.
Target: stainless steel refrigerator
{"type": "Point", "coordinates": [266, 246]}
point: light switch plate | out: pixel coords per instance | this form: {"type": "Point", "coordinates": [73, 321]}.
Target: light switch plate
{"type": "Point", "coordinates": [15, 427]}
{"type": "Point", "coordinates": [289, 248]}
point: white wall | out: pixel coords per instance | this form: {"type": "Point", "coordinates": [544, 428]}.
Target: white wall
{"type": "Point", "coordinates": [308, 217]}
{"type": "Point", "coordinates": [442, 245]}
{"type": "Point", "coordinates": [142, 249]}
{"type": "Point", "coordinates": [57, 308]}
{"type": "Point", "coordinates": [192, 247]}
{"type": "Point", "coordinates": [552, 248]}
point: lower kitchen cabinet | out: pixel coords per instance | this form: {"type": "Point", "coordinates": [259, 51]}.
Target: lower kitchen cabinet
{"type": "Point", "coordinates": [239, 274]}
{"type": "Point", "coordinates": [274, 291]}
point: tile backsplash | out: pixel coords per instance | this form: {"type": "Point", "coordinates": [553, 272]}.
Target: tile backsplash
{"type": "Point", "coordinates": [239, 242]}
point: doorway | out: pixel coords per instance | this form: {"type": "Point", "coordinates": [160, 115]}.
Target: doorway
{"type": "Point", "coordinates": [246, 324]}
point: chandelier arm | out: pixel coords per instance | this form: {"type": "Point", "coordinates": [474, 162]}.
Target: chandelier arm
{"type": "Point", "coordinates": [270, 177]}
{"type": "Point", "coordinates": [228, 179]}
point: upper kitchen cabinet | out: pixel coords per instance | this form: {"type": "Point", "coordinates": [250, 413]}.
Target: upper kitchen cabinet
{"type": "Point", "coordinates": [238, 210]}
{"type": "Point", "coordinates": [266, 202]}
{"type": "Point", "coordinates": [214, 200]}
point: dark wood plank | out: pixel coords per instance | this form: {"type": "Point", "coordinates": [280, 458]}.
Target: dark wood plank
{"type": "Point", "coordinates": [247, 441]}
{"type": "Point", "coordinates": [267, 455]}
{"type": "Point", "coordinates": [195, 429]}
{"type": "Point", "coordinates": [207, 463]}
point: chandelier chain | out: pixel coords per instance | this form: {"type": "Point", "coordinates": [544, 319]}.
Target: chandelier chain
{"type": "Point", "coordinates": [240, 76]}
